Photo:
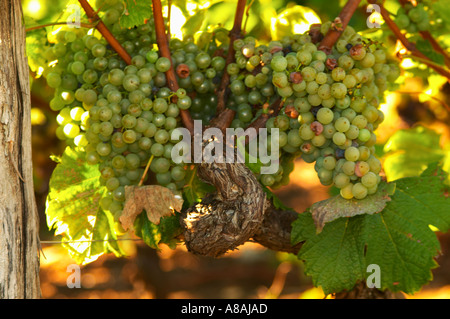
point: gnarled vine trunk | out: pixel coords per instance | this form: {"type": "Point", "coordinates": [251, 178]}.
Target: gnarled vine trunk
{"type": "Point", "coordinates": [19, 259]}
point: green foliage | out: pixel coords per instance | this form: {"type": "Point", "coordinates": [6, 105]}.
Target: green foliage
{"type": "Point", "coordinates": [195, 189]}
{"type": "Point", "coordinates": [35, 45]}
{"type": "Point", "coordinates": [398, 239]}
{"type": "Point", "coordinates": [194, 23]}
{"type": "Point", "coordinates": [294, 19]}
{"type": "Point", "coordinates": [136, 13]}
{"type": "Point", "coordinates": [426, 48]}
{"type": "Point", "coordinates": [341, 237]}
{"type": "Point", "coordinates": [153, 235]}
{"type": "Point", "coordinates": [408, 152]}
{"type": "Point", "coordinates": [73, 209]}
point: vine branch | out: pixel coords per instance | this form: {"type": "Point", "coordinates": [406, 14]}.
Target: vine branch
{"type": "Point", "coordinates": [163, 45]}
{"type": "Point", "coordinates": [409, 45]}
{"type": "Point", "coordinates": [101, 27]}
{"type": "Point", "coordinates": [333, 34]}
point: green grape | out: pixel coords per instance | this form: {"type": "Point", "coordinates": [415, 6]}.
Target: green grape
{"type": "Point", "coordinates": [71, 130]}
{"type": "Point", "coordinates": [309, 74]}
{"type": "Point", "coordinates": [157, 149]}
{"type": "Point", "coordinates": [352, 133]}
{"type": "Point", "coordinates": [341, 180]}
{"type": "Point", "coordinates": [338, 90]}
{"type": "Point", "coordinates": [279, 63]}
{"type": "Point", "coordinates": [267, 180]}
{"type": "Point", "coordinates": [364, 135]}
{"type": "Point", "coordinates": [103, 149]}
{"type": "Point", "coordinates": [352, 154]}
{"type": "Point", "coordinates": [348, 168]}
{"type": "Point", "coordinates": [359, 191]}
{"type": "Point", "coordinates": [342, 124]}
{"type": "Point", "coordinates": [129, 136]}
{"type": "Point", "coordinates": [325, 116]}
{"type": "Point", "coordinates": [329, 163]}
{"type": "Point", "coordinates": [112, 183]}
{"type": "Point", "coordinates": [347, 191]}
{"type": "Point", "coordinates": [160, 165]}
{"type": "Point", "coordinates": [163, 64]}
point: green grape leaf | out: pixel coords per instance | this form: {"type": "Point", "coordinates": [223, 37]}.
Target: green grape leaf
{"type": "Point", "coordinates": [153, 235]}
{"type": "Point", "coordinates": [74, 212]}
{"type": "Point", "coordinates": [195, 189]}
{"type": "Point", "coordinates": [426, 48]}
{"type": "Point", "coordinates": [425, 198]}
{"type": "Point", "coordinates": [303, 228]}
{"type": "Point", "coordinates": [334, 258]}
{"type": "Point", "coordinates": [295, 19]}
{"type": "Point", "coordinates": [408, 152]}
{"type": "Point", "coordinates": [136, 12]}
{"type": "Point", "coordinates": [194, 23]}
{"type": "Point", "coordinates": [335, 207]}
{"type": "Point", "coordinates": [398, 240]}
{"type": "Point", "coordinates": [442, 9]}
{"type": "Point", "coordinates": [277, 203]}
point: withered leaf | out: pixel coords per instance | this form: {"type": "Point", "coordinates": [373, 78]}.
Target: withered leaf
{"type": "Point", "coordinates": [158, 201]}
{"type": "Point", "coordinates": [335, 207]}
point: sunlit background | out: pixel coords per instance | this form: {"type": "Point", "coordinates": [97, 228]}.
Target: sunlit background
{"type": "Point", "coordinates": [251, 271]}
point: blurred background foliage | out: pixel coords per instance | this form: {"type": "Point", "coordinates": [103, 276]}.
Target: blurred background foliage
{"type": "Point", "coordinates": [414, 134]}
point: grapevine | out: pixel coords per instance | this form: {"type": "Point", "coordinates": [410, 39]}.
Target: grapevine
{"type": "Point", "coordinates": [123, 94]}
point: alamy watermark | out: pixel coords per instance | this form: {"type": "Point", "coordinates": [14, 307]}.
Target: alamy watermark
{"type": "Point", "coordinates": [210, 146]}
{"type": "Point", "coordinates": [372, 19]}
{"type": "Point", "coordinates": [74, 279]}
{"type": "Point", "coordinates": [374, 279]}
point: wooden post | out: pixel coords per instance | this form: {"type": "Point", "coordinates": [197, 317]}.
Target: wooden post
{"type": "Point", "coordinates": [19, 254]}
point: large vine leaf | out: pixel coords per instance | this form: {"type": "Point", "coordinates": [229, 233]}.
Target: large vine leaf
{"type": "Point", "coordinates": [334, 257]}
{"type": "Point", "coordinates": [74, 212]}
{"type": "Point", "coordinates": [410, 151]}
{"type": "Point", "coordinates": [295, 19]}
{"type": "Point", "coordinates": [398, 240]}
{"type": "Point", "coordinates": [136, 12]}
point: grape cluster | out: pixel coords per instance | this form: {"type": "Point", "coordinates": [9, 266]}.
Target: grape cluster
{"type": "Point", "coordinates": [122, 116]}
{"type": "Point", "coordinates": [330, 103]}
{"type": "Point", "coordinates": [413, 18]}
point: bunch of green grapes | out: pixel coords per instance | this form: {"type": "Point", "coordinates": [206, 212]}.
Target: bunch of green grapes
{"type": "Point", "coordinates": [330, 103]}
{"type": "Point", "coordinates": [122, 116]}
{"type": "Point", "coordinates": [413, 18]}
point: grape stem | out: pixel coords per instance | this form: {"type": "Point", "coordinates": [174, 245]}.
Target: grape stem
{"type": "Point", "coordinates": [409, 45]}
{"type": "Point", "coordinates": [333, 34]}
{"type": "Point", "coordinates": [101, 27]}
{"type": "Point", "coordinates": [83, 25]}
{"type": "Point", "coordinates": [141, 182]}
{"type": "Point", "coordinates": [426, 35]}
{"type": "Point", "coordinates": [163, 45]}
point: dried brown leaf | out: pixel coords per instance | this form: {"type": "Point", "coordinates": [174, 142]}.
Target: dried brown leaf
{"type": "Point", "coordinates": [158, 201]}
